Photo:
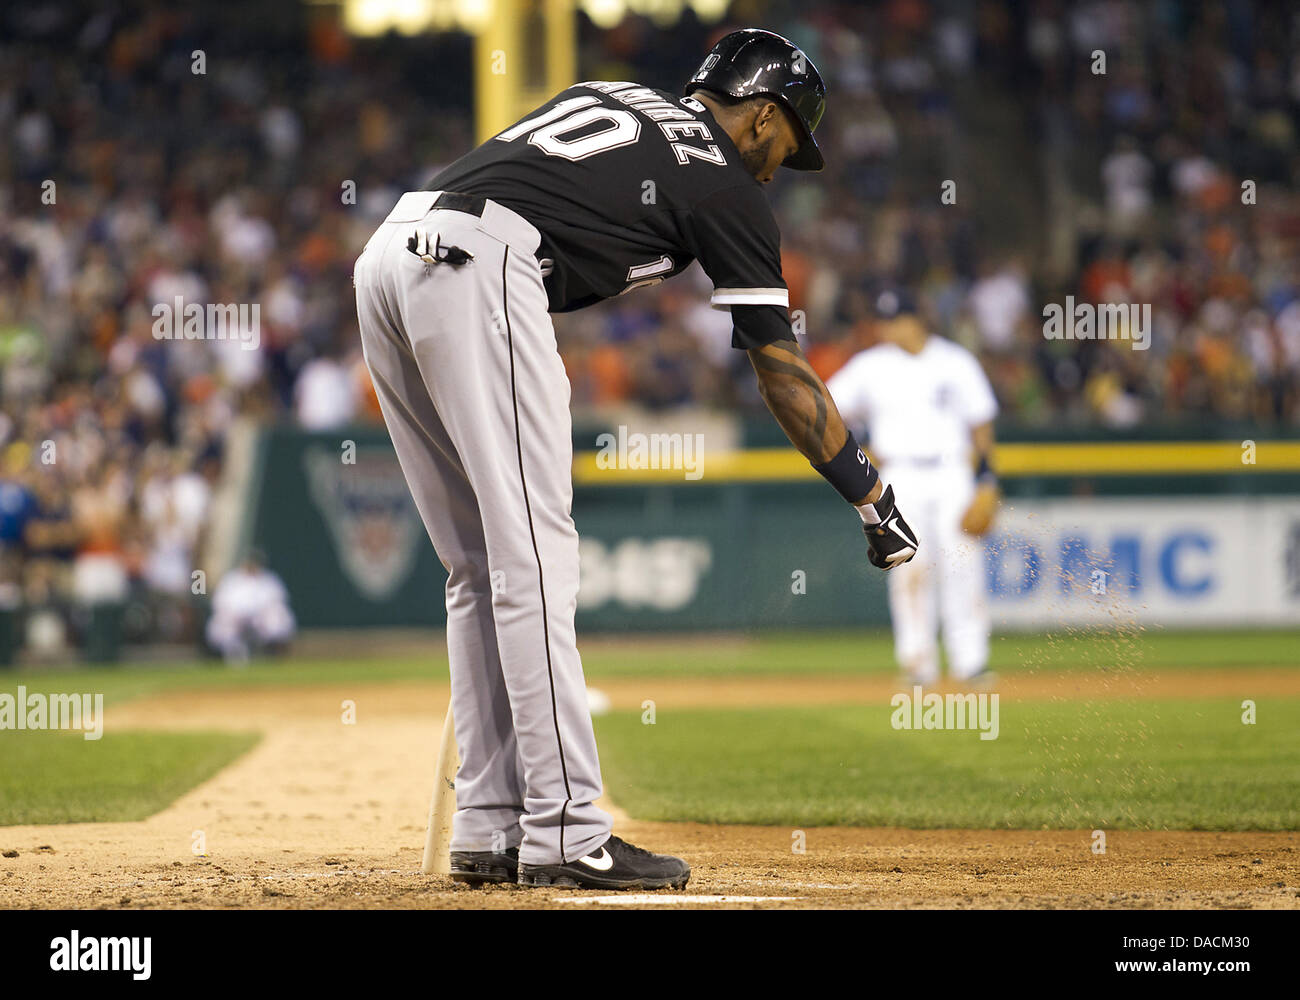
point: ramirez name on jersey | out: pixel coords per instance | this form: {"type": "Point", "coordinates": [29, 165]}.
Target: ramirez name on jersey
{"type": "Point", "coordinates": [627, 186]}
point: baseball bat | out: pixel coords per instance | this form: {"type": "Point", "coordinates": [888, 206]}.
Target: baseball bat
{"type": "Point", "coordinates": [437, 841]}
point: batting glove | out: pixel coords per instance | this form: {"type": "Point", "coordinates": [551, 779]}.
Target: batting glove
{"type": "Point", "coordinates": [892, 542]}
{"type": "Point", "coordinates": [436, 253]}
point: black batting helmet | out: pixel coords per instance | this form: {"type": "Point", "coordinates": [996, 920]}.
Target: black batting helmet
{"type": "Point", "coordinates": [751, 62]}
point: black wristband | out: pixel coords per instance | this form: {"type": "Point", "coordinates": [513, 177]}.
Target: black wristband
{"type": "Point", "coordinates": [984, 474]}
{"type": "Point", "coordinates": [850, 472]}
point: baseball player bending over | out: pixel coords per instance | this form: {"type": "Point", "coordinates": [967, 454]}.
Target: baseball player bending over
{"type": "Point", "coordinates": [928, 410]}
{"type": "Point", "coordinates": [453, 295]}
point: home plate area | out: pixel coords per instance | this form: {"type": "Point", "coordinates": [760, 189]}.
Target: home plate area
{"type": "Point", "coordinates": [658, 899]}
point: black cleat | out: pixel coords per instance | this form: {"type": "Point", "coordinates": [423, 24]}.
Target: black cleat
{"type": "Point", "coordinates": [616, 864]}
{"type": "Point", "coordinates": [485, 867]}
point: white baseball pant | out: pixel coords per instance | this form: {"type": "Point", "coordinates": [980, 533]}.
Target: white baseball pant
{"type": "Point", "coordinates": [476, 399]}
{"type": "Point", "coordinates": [944, 583]}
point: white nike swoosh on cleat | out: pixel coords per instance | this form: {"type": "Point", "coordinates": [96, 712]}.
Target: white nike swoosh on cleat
{"type": "Point", "coordinates": [602, 861]}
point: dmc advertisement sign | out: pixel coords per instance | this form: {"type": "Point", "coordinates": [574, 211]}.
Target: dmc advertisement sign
{"type": "Point", "coordinates": [1169, 562]}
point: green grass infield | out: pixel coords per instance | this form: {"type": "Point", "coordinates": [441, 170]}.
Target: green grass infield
{"type": "Point", "coordinates": [1151, 764]}
{"type": "Point", "coordinates": [59, 776]}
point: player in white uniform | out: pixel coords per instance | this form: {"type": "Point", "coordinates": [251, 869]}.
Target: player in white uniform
{"type": "Point", "coordinates": [927, 409]}
{"type": "Point", "coordinates": [250, 612]}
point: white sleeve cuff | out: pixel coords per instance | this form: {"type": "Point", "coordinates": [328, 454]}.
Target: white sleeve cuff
{"type": "Point", "coordinates": [723, 297]}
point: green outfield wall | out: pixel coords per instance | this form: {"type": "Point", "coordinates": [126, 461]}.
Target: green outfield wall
{"type": "Point", "coordinates": [756, 540]}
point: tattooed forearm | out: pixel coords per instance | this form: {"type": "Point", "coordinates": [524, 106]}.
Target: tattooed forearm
{"type": "Point", "coordinates": [798, 400]}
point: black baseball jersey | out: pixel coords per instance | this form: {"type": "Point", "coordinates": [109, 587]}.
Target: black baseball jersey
{"type": "Point", "coordinates": [627, 185]}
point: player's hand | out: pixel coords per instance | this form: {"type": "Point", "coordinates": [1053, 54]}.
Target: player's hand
{"type": "Point", "coordinates": [892, 542]}
{"type": "Point", "coordinates": [979, 515]}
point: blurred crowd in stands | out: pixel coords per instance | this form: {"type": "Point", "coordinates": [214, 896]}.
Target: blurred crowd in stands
{"type": "Point", "coordinates": [976, 151]}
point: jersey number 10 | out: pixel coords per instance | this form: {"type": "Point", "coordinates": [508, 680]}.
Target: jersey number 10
{"type": "Point", "coordinates": [545, 130]}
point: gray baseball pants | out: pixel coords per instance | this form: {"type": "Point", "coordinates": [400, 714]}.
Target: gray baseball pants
{"type": "Point", "coordinates": [476, 400]}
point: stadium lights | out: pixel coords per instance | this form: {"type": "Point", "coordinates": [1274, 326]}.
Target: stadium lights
{"type": "Point", "coordinates": [411, 17]}
{"type": "Point", "coordinates": [604, 13]}
{"type": "Point", "coordinates": [608, 13]}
